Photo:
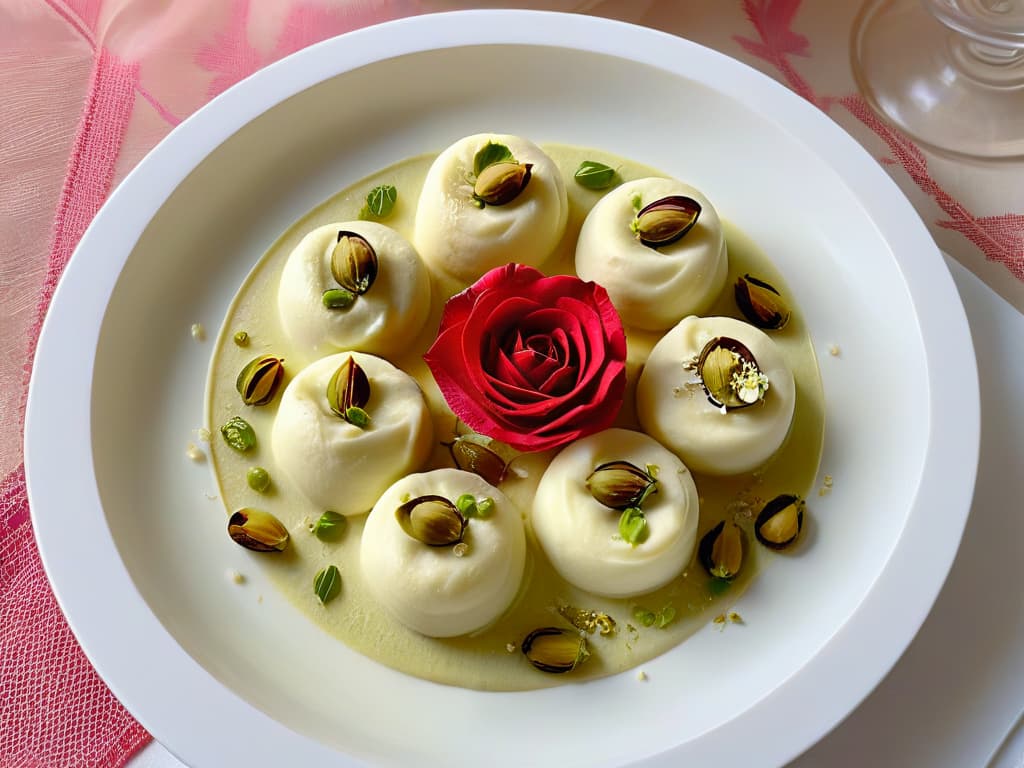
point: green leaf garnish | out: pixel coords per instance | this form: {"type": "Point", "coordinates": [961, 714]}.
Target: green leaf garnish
{"type": "Point", "coordinates": [633, 525]}
{"type": "Point", "coordinates": [330, 526]}
{"type": "Point", "coordinates": [380, 202]}
{"type": "Point", "coordinates": [594, 175]}
{"type": "Point", "coordinates": [327, 584]}
{"type": "Point", "coordinates": [490, 154]}
{"type": "Point", "coordinates": [239, 434]}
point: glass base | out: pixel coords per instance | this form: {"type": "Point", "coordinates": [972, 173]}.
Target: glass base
{"type": "Point", "coordinates": [951, 93]}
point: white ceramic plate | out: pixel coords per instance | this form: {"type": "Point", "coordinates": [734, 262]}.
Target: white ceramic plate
{"type": "Point", "coordinates": [137, 554]}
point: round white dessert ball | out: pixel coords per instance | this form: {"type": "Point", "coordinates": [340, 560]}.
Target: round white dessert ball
{"type": "Point", "coordinates": [381, 321]}
{"type": "Point", "coordinates": [458, 238]}
{"type": "Point", "coordinates": [431, 589]}
{"type": "Point", "coordinates": [652, 288]}
{"type": "Point", "coordinates": [673, 406]}
{"type": "Point", "coordinates": [339, 466]}
{"type": "Point", "coordinates": [580, 535]}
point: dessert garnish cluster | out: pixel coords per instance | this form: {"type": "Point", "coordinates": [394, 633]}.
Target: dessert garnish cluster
{"type": "Point", "coordinates": [525, 362]}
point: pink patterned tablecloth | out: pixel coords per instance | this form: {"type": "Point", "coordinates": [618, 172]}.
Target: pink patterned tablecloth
{"type": "Point", "coordinates": [89, 86]}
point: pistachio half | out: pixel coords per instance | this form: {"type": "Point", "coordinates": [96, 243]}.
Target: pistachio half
{"type": "Point", "coordinates": [555, 650]}
{"type": "Point", "coordinates": [761, 303]}
{"type": "Point", "coordinates": [665, 220]}
{"type": "Point", "coordinates": [470, 455]}
{"type": "Point", "coordinates": [780, 522]}
{"type": "Point", "coordinates": [258, 531]}
{"type": "Point", "coordinates": [354, 262]}
{"type": "Point", "coordinates": [260, 379]}
{"type": "Point", "coordinates": [729, 374]}
{"type": "Point", "coordinates": [501, 183]}
{"type": "Point", "coordinates": [619, 484]}
{"type": "Point", "coordinates": [434, 520]}
{"type": "Point", "coordinates": [721, 550]}
{"type": "Point", "coordinates": [348, 389]}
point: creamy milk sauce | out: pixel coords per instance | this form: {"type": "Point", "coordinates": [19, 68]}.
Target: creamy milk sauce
{"type": "Point", "coordinates": [484, 660]}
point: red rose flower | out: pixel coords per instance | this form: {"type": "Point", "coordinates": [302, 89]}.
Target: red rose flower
{"type": "Point", "coordinates": [533, 361]}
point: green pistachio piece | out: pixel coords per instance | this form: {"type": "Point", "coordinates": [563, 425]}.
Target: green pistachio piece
{"type": "Point", "coordinates": [258, 479]}
{"type": "Point", "coordinates": [239, 434]}
{"type": "Point", "coordinates": [337, 298]}
{"type": "Point", "coordinates": [633, 526]}
{"type": "Point", "coordinates": [327, 584]}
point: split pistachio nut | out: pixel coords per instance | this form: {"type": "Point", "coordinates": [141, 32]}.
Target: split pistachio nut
{"type": "Point", "coordinates": [353, 263]}
{"type": "Point", "coordinates": [555, 650]}
{"type": "Point", "coordinates": [257, 530]}
{"type": "Point", "coordinates": [721, 550]}
{"type": "Point", "coordinates": [619, 484]}
{"type": "Point", "coordinates": [730, 374]}
{"type": "Point", "coordinates": [260, 379]}
{"type": "Point", "coordinates": [666, 220]}
{"type": "Point", "coordinates": [348, 392]}
{"type": "Point", "coordinates": [761, 303]}
{"type": "Point", "coordinates": [431, 519]}
{"type": "Point", "coordinates": [780, 522]}
{"type": "Point", "coordinates": [471, 455]}
{"type": "Point", "coordinates": [502, 182]}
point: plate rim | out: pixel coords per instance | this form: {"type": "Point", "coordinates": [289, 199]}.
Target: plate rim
{"type": "Point", "coordinates": [954, 439]}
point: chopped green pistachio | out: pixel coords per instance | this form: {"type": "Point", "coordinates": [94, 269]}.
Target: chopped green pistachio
{"type": "Point", "coordinates": [327, 584]}
{"type": "Point", "coordinates": [357, 417]}
{"type": "Point", "coordinates": [633, 525]}
{"type": "Point", "coordinates": [238, 434]}
{"type": "Point", "coordinates": [258, 479]}
{"type": "Point", "coordinates": [637, 203]}
{"type": "Point", "coordinates": [337, 298]}
{"type": "Point", "coordinates": [330, 526]}
{"type": "Point", "coordinates": [241, 338]}
{"type": "Point", "coordinates": [485, 507]}
{"type": "Point", "coordinates": [594, 175]}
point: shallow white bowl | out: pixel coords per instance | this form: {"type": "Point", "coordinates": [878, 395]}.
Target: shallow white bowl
{"type": "Point", "coordinates": [137, 554]}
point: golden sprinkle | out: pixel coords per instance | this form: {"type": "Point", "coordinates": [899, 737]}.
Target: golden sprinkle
{"type": "Point", "coordinates": [719, 619]}
{"type": "Point", "coordinates": [735, 618]}
{"type": "Point", "coordinates": [641, 675]}
{"type": "Point", "coordinates": [236, 577]}
{"type": "Point", "coordinates": [510, 647]}
{"type": "Point", "coordinates": [834, 350]}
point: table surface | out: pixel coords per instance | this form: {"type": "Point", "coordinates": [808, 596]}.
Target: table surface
{"type": "Point", "coordinates": [959, 688]}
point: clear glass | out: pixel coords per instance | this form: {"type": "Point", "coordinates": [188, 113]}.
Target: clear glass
{"type": "Point", "coordinates": [949, 73]}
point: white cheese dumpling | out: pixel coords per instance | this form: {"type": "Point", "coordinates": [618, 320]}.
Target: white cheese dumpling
{"type": "Point", "coordinates": [340, 466]}
{"type": "Point", "coordinates": [381, 321]}
{"type": "Point", "coordinates": [441, 591]}
{"type": "Point", "coordinates": [652, 288]}
{"type": "Point", "coordinates": [458, 238]}
{"type": "Point", "coordinates": [580, 535]}
{"type": "Point", "coordinates": [673, 406]}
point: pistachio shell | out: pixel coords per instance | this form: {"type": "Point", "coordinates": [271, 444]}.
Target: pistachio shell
{"type": "Point", "coordinates": [431, 519]}
{"type": "Point", "coordinates": [354, 262]}
{"type": "Point", "coordinates": [666, 220]}
{"type": "Point", "coordinates": [761, 303]}
{"type": "Point", "coordinates": [780, 522]}
{"type": "Point", "coordinates": [721, 359]}
{"type": "Point", "coordinates": [348, 388]}
{"type": "Point", "coordinates": [472, 456]}
{"type": "Point", "coordinates": [721, 550]}
{"type": "Point", "coordinates": [555, 650]}
{"type": "Point", "coordinates": [258, 531]}
{"type": "Point", "coordinates": [619, 484]}
{"type": "Point", "coordinates": [501, 183]}
{"type": "Point", "coordinates": [260, 379]}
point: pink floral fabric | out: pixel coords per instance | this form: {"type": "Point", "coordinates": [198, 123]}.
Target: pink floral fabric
{"type": "Point", "coordinates": [91, 85]}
